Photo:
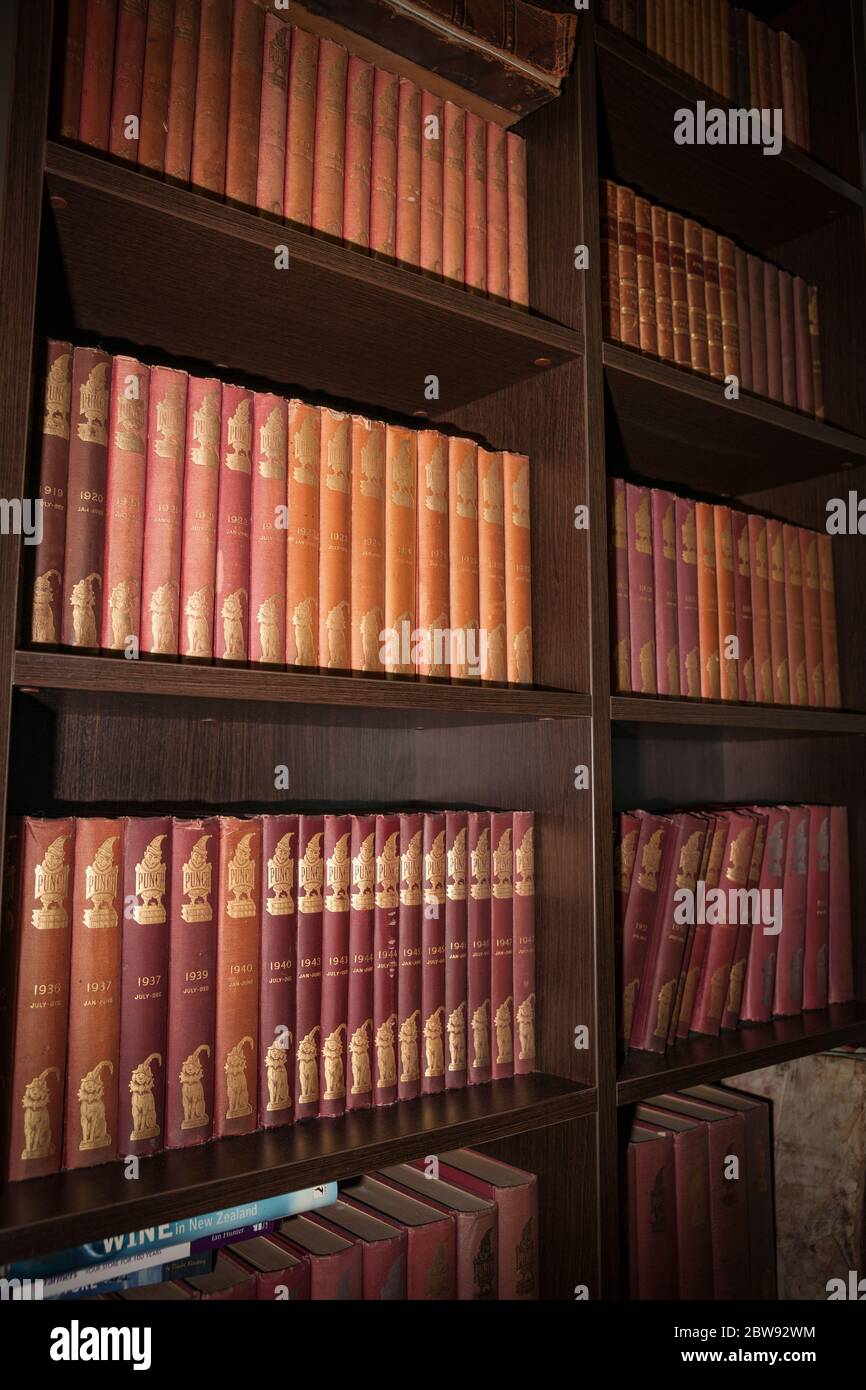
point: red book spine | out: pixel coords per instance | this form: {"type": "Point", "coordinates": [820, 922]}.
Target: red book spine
{"type": "Point", "coordinates": [97, 74]}
{"type": "Point", "coordinates": [85, 515]}
{"type": "Point", "coordinates": [73, 68]}
{"type": "Point", "coordinates": [189, 1070]}
{"type": "Point", "coordinates": [200, 505]}
{"type": "Point", "coordinates": [277, 971]}
{"type": "Point", "coordinates": [811, 576]}
{"type": "Point", "coordinates": [210, 123]}
{"type": "Point", "coordinates": [679, 290]}
{"type": "Point", "coordinates": [335, 541]}
{"type": "Point", "coordinates": [163, 512]}
{"type": "Point", "coordinates": [621, 664]}
{"type": "Point", "coordinates": [757, 325]}
{"type": "Point", "coordinates": [815, 345]}
{"type": "Point", "coordinates": [268, 543]}
{"type": "Point", "coordinates": [688, 977]}
{"type": "Point", "coordinates": [359, 150]}
{"type": "Point", "coordinates": [750, 921]}
{"type": "Point", "coordinates": [479, 947]}
{"type": "Point", "coordinates": [817, 943]}
{"type": "Point", "coordinates": [789, 100]}
{"type": "Point", "coordinates": [518, 567]}
{"type": "Point", "coordinates": [432, 577]}
{"type": "Point", "coordinates": [385, 957]}
{"type": "Point", "coordinates": [409, 963]}
{"type": "Point", "coordinates": [329, 156]}
{"type": "Point", "coordinates": [694, 1239]}
{"type": "Point", "coordinates": [517, 1219]}
{"type": "Point", "coordinates": [181, 90]}
{"type": "Point", "coordinates": [497, 213]}
{"type": "Point", "coordinates": [788, 992]}
{"type": "Point", "coordinates": [362, 910]}
{"type": "Point", "coordinates": [90, 1126]}
{"type": "Point", "coordinates": [841, 966]}
{"type": "Point", "coordinates": [744, 335]}
{"type": "Point", "coordinates": [665, 592]}
{"type": "Point", "coordinates": [432, 165]}
{"type": "Point", "coordinates": [609, 234]}
{"type": "Point", "coordinates": [711, 871]}
{"type": "Point", "coordinates": [687, 598]}
{"type": "Point", "coordinates": [383, 169]}
{"type": "Point", "coordinates": [696, 295]}
{"type": "Point", "coordinates": [274, 106]}
{"type": "Point", "coordinates": [409, 142]}
{"type": "Point", "coordinates": [713, 300]}
{"type": "Point", "coordinates": [476, 203]}
{"type": "Point", "coordinates": [728, 1205]}
{"type": "Point", "coordinates": [433, 953]}
{"type": "Point", "coordinates": [661, 254]}
{"type": "Point", "coordinates": [132, 17]}
{"type": "Point", "coordinates": [301, 128]}
{"type": "Point", "coordinates": [728, 307]}
{"type": "Point", "coordinates": [456, 922]}
{"type": "Point", "coordinates": [794, 617]}
{"type": "Point", "coordinates": [829, 636]}
{"type": "Point", "coordinates": [775, 62]}
{"type": "Point", "coordinates": [645, 270]}
{"type": "Point", "coordinates": [47, 556]}
{"type": "Point", "coordinates": [627, 243]}
{"type": "Point", "coordinates": [454, 194]}
{"type": "Point", "coordinates": [39, 998]}
{"type": "Point", "coordinates": [773, 330]}
{"type": "Point", "coordinates": [125, 503]}
{"type": "Point", "coordinates": [310, 885]}
{"type": "Point", "coordinates": [368, 542]}
{"type": "Point", "coordinates": [625, 847]}
{"type": "Point", "coordinates": [518, 219]}
{"type": "Point", "coordinates": [144, 975]}
{"type": "Point", "coordinates": [302, 566]}
{"type": "Point", "coordinates": [757, 1002]}
{"type": "Point", "coordinates": [640, 589]}
{"type": "Point", "coordinates": [640, 912]}
{"type": "Point", "coordinates": [763, 54]}
{"type": "Point", "coordinates": [245, 101]}
{"type": "Point", "coordinates": [231, 602]}
{"type": "Point", "coordinates": [760, 568]}
{"type": "Point", "coordinates": [716, 970]}
{"type": "Point", "coordinates": [335, 964]}
{"type": "Point", "coordinates": [725, 586]}
{"type": "Point", "coordinates": [802, 351]}
{"type": "Point", "coordinates": [743, 606]}
{"type": "Point", "coordinates": [651, 1206]}
{"type": "Point", "coordinates": [787, 339]}
{"type": "Point", "coordinates": [156, 82]}
{"type": "Point", "coordinates": [708, 602]}
{"type": "Point", "coordinates": [524, 942]}
{"type": "Point", "coordinates": [778, 614]}
{"type": "Point", "coordinates": [237, 977]}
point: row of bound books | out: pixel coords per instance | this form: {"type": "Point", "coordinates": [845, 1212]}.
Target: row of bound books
{"type": "Point", "coordinates": [681, 292]}
{"type": "Point", "coordinates": [186, 516]}
{"type": "Point", "coordinates": [700, 1197]}
{"type": "Point", "coordinates": [178, 980]}
{"type": "Point", "coordinates": [242, 105]}
{"type": "Point", "coordinates": [712, 602]}
{"type": "Point", "coordinates": [729, 916]}
{"type": "Point", "coordinates": [727, 49]}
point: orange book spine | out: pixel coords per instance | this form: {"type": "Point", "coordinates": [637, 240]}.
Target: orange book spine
{"type": "Point", "coordinates": [728, 306]}
{"type": "Point", "coordinates": [200, 507]}
{"type": "Point", "coordinates": [497, 213]}
{"type": "Point", "coordinates": [231, 599]}
{"type": "Point", "coordinates": [128, 70]}
{"type": "Point", "coordinates": [627, 243]}
{"type": "Point", "coordinates": [408, 174]}
{"type": "Point", "coordinates": [368, 542]}
{"type": "Point", "coordinates": [163, 512]}
{"type": "Point", "coordinates": [679, 291]}
{"type": "Point", "coordinates": [794, 616]}
{"type": "Point", "coordinates": [463, 556]}
{"type": "Point", "coordinates": [829, 632]}
{"type": "Point", "coordinates": [245, 98]}
{"type": "Point", "coordinates": [73, 68]}
{"type": "Point", "coordinates": [432, 142]}
{"type": "Point", "coordinates": [237, 976]}
{"type": "Point", "coordinates": [383, 175]}
{"type": "Point", "coordinates": [400, 549]}
{"type": "Point", "coordinates": [301, 128]}
{"type": "Point", "coordinates": [476, 203]}
{"type": "Point", "coordinates": [809, 569]}
{"type": "Point", "coordinates": [181, 90]}
{"type": "Point", "coordinates": [696, 295]}
{"type": "Point", "coordinates": [728, 665]}
{"type": "Point", "coordinates": [274, 108]}
{"type": "Point", "coordinates": [335, 541]}
{"type": "Point", "coordinates": [359, 153]}
{"type": "Point", "coordinates": [302, 565]}
{"type": "Point", "coordinates": [491, 567]}
{"type": "Point", "coordinates": [454, 195]}
{"type": "Point", "coordinates": [778, 616]}
{"type": "Point", "coordinates": [210, 121]}
{"type": "Point", "coordinates": [97, 74]}
{"type": "Point", "coordinates": [155, 85]}
{"type": "Point", "coordinates": [646, 294]}
{"type": "Point", "coordinates": [518, 568]}
{"type": "Point", "coordinates": [662, 283]}
{"type": "Point", "coordinates": [713, 302]}
{"type": "Point", "coordinates": [759, 565]}
{"type": "Point", "coordinates": [330, 139]}
{"type": "Point", "coordinates": [518, 221]}
{"type": "Point", "coordinates": [268, 544]}
{"type": "Point", "coordinates": [124, 503]}
{"type": "Point", "coordinates": [433, 563]}
{"type": "Point", "coordinates": [708, 603]}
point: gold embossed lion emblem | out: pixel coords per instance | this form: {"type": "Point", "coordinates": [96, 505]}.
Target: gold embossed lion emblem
{"type": "Point", "coordinates": [37, 1121]}
{"type": "Point", "coordinates": [237, 1093]}
{"type": "Point", "coordinates": [144, 1123]}
{"type": "Point", "coordinates": [191, 1078]}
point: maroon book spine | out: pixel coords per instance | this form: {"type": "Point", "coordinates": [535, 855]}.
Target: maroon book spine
{"type": "Point", "coordinates": [640, 912]}
{"type": "Point", "coordinates": [237, 977]}
{"type": "Point", "coordinates": [433, 955]}
{"type": "Point", "coordinates": [333, 1277]}
{"type": "Point", "coordinates": [516, 1201]}
{"type": "Point", "coordinates": [788, 990]}
{"type": "Point", "coordinates": [502, 944]}
{"type": "Point", "coordinates": [524, 942]}
{"type": "Point", "coordinates": [691, 1171]}
{"type": "Point", "coordinates": [97, 73]}
{"type": "Point", "coordinates": [757, 325]}
{"type": "Point", "coordinates": [760, 578]}
{"type": "Point", "coordinates": [750, 922]}
{"type": "Point", "coordinates": [716, 970]}
{"type": "Point", "coordinates": [787, 335]}
{"type": "Point", "coordinates": [475, 1231]}
{"type": "Point", "coordinates": [794, 616]}
{"type": "Point", "coordinates": [629, 331]}
{"type": "Point", "coordinates": [815, 346]}
{"type": "Point", "coordinates": [744, 336]}
{"type": "Point", "coordinates": [271, 167]}
{"type": "Point", "coordinates": [385, 959]}
{"type": "Point", "coordinates": [773, 331]}
{"type": "Point", "coordinates": [210, 122]}
{"type": "Point", "coordinates": [687, 598]}
{"type": "Point", "coordinates": [624, 850]}
{"type": "Point", "coordinates": [478, 930]}
{"type": "Point", "coordinates": [277, 971]}
{"type": "Point", "coordinates": [713, 301]}
{"type": "Point", "coordinates": [778, 612]}
{"type": "Point", "coordinates": [144, 967]}
{"type": "Point", "coordinates": [73, 68]}
{"type": "Point", "coordinates": [245, 99]}
{"type": "Point", "coordinates": [662, 283]}
{"type": "Point", "coordinates": [665, 591]}
{"type": "Point", "coordinates": [156, 84]}
{"type": "Point", "coordinates": [743, 605]}
{"type": "Point", "coordinates": [619, 588]}
{"type": "Point", "coordinates": [310, 890]}
{"type": "Point", "coordinates": [431, 1267]}
{"type": "Point", "coordinates": [802, 348]}
{"type": "Point", "coordinates": [383, 1257]}
{"type": "Point", "coordinates": [124, 503]}
{"type": "Point", "coordinates": [51, 491]}
{"type": "Point", "coordinates": [200, 509]}
{"type": "Point", "coordinates": [645, 272]}
{"type": "Point", "coordinates": [85, 513]}
{"type": "Point", "coordinates": [728, 1207]}
{"type": "Point", "coordinates": [128, 70]}
{"type": "Point", "coordinates": [456, 924]}
{"type": "Point", "coordinates": [360, 1033]}
{"type": "Point", "coordinates": [181, 91]}
{"type": "Point", "coordinates": [163, 512]}
{"type": "Point", "coordinates": [231, 603]}
{"type": "Point", "coordinates": [841, 969]}
{"type": "Point", "coordinates": [267, 601]}
{"type": "Point", "coordinates": [189, 1093]}
{"type": "Point", "coordinates": [409, 964]}
{"type": "Point", "coordinates": [640, 589]}
{"type": "Point", "coordinates": [335, 965]}
{"type": "Point", "coordinates": [608, 230]}
{"type": "Point", "coordinates": [711, 871]}
{"type": "Point", "coordinates": [679, 290]}
{"type": "Point", "coordinates": [760, 978]}
{"type": "Point", "coordinates": [817, 942]}
{"type": "Point", "coordinates": [652, 1220]}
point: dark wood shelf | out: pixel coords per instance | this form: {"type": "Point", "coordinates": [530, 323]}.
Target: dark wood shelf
{"type": "Point", "coordinates": [54, 1213]}
{"type": "Point", "coordinates": [763, 200]}
{"type": "Point", "coordinates": [647, 709]}
{"type": "Point", "coordinates": [644, 1074]}
{"type": "Point", "coordinates": [336, 321]}
{"type": "Point", "coordinates": [678, 427]}
{"type": "Point", "coordinates": [49, 672]}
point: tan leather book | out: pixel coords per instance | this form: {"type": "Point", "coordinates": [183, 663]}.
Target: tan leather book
{"type": "Point", "coordinates": [518, 230]}
{"type": "Point", "coordinates": [729, 309]}
{"type": "Point", "coordinates": [433, 567]}
{"type": "Point", "coordinates": [662, 283]}
{"type": "Point", "coordinates": [708, 603]}
{"type": "Point", "coordinates": [463, 556]}
{"type": "Point", "coordinates": [811, 577]}
{"type": "Point", "coordinates": [679, 290]}
{"type": "Point", "coordinates": [759, 564]}
{"type": "Point", "coordinates": [518, 567]}
{"type": "Point", "coordinates": [359, 153]}
{"type": "Point", "coordinates": [713, 302]}
{"type": "Point", "coordinates": [302, 565]}
{"type": "Point", "coordinates": [330, 139]}
{"type": "Point", "coordinates": [383, 176]}
{"type": "Point", "coordinates": [400, 549]}
{"type": "Point", "coordinates": [301, 128]}
{"type": "Point", "coordinates": [491, 567]}
{"type": "Point", "coordinates": [609, 261]}
{"type": "Point", "coordinates": [335, 533]}
{"type": "Point", "coordinates": [368, 542]}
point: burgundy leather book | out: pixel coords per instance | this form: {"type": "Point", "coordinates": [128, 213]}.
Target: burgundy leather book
{"type": "Point", "coordinates": [81, 610]}
{"type": "Point", "coordinates": [787, 339]}
{"type": "Point", "coordinates": [125, 504]}
{"type": "Point", "coordinates": [772, 324]}
{"type": "Point", "coordinates": [625, 849]}
{"type": "Point", "coordinates": [523, 904]}
{"type": "Point", "coordinates": [210, 123]}
{"type": "Point", "coordinates": [383, 1248]}
{"type": "Point", "coordinates": [788, 991]}
{"type": "Point", "coordinates": [759, 1181]}
{"type": "Point", "coordinates": [692, 1196]}
{"type": "Point", "coordinates": [817, 944]}
{"type": "Point", "coordinates": [181, 91]}
{"type": "Point", "coordinates": [189, 1070]}
{"type": "Point", "coordinates": [750, 923]}
{"type": "Point", "coordinates": [73, 65]}
{"type": "Point", "coordinates": [359, 1023]}
{"type": "Point", "coordinates": [713, 300]}
{"type": "Point", "coordinates": [456, 968]}
{"type": "Point", "coordinates": [629, 332]}
{"type": "Point", "coordinates": [757, 325]}
{"type": "Point", "coordinates": [97, 73]}
{"type": "Point", "coordinates": [231, 600]}
{"type": "Point", "coordinates": [277, 971]}
{"type": "Point", "coordinates": [335, 964]}
{"type": "Point", "coordinates": [665, 591]}
{"type": "Point", "coordinates": [163, 512]}
{"type": "Point", "coordinates": [431, 1263]}
{"type": "Point", "coordinates": [46, 558]}
{"type": "Point", "coordinates": [281, 1274]}
{"type": "Point", "coordinates": [760, 583]}
{"type": "Point", "coordinates": [228, 1281]}
{"type": "Point", "coordinates": [502, 944]}
{"type": "Point", "coordinates": [727, 603]}
{"type": "Point", "coordinates": [144, 984]}
{"type": "Point", "coordinates": [651, 1214]}
{"type": "Point", "coordinates": [687, 598]}
{"type": "Point", "coordinates": [805, 399]}
{"type": "Point", "coordinates": [815, 345]}
{"type": "Point", "coordinates": [200, 508]}
{"type": "Point", "coordinates": [640, 912]}
{"type": "Point", "coordinates": [156, 82]}
{"type": "Point", "coordinates": [433, 955]}
{"type": "Point", "coordinates": [795, 624]}
{"type": "Point", "coordinates": [619, 617]}
{"type": "Point", "coordinates": [336, 1261]}
{"type": "Point", "coordinates": [409, 957]}
{"type": "Point", "coordinates": [663, 958]}
{"type": "Point", "coordinates": [267, 601]}
{"type": "Point", "coordinates": [688, 977]}
{"type": "Point", "coordinates": [841, 972]}
{"type": "Point", "coordinates": [236, 1050]}
{"type": "Point", "coordinates": [716, 970]}
{"type": "Point", "coordinates": [744, 335]}
{"type": "Point", "coordinates": [475, 1221]}
{"type": "Point", "coordinates": [640, 589]}
{"type": "Point", "coordinates": [778, 612]}
{"type": "Point", "coordinates": [479, 947]}
{"type": "Point", "coordinates": [810, 572]}
{"type": "Point", "coordinates": [128, 68]}
{"type": "Point", "coordinates": [310, 896]}
{"type": "Point", "coordinates": [271, 165]}
{"type": "Point", "coordinates": [696, 947]}
{"type": "Point", "coordinates": [743, 605]}
{"type": "Point", "coordinates": [385, 959]}
{"type": "Point", "coordinates": [760, 977]}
